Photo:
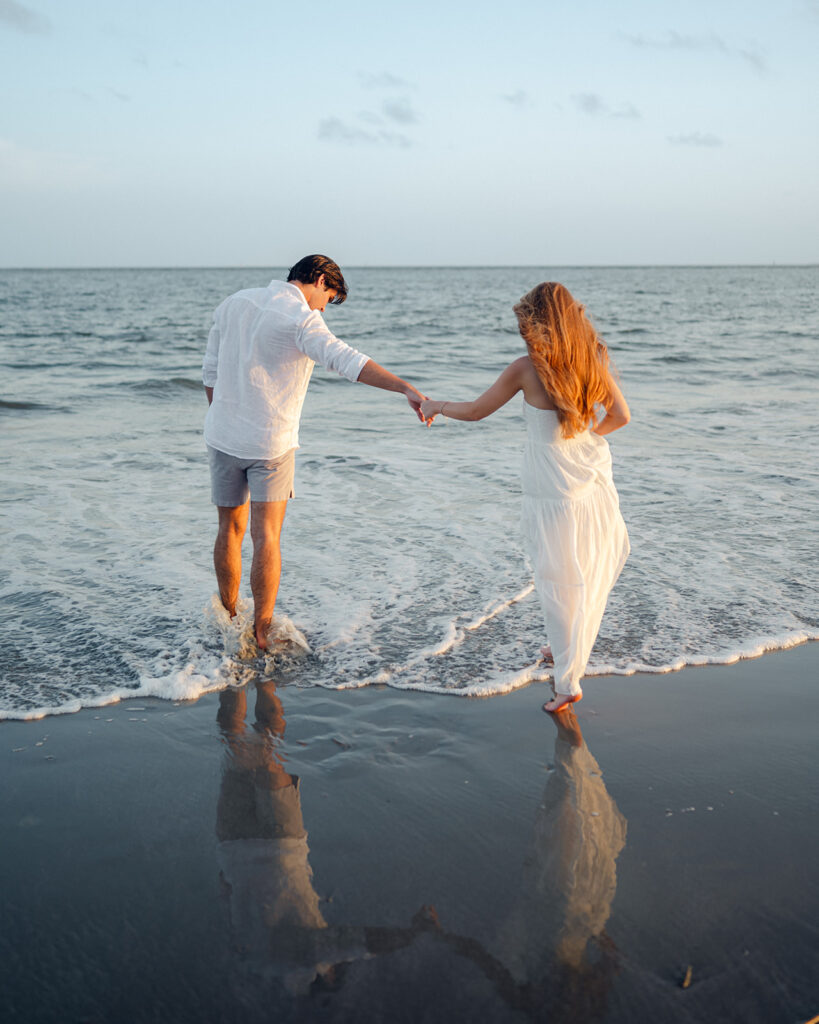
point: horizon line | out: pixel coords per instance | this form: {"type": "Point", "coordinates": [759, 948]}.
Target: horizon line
{"type": "Point", "coordinates": [426, 266]}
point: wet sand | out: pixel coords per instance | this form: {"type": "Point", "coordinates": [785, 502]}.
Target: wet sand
{"type": "Point", "coordinates": [309, 855]}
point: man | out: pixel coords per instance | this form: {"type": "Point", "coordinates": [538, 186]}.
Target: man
{"type": "Point", "coordinates": [261, 351]}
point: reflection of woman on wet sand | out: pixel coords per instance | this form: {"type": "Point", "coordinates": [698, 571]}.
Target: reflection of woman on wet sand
{"type": "Point", "coordinates": [555, 932]}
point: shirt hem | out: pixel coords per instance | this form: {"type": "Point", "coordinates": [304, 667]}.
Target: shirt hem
{"type": "Point", "coordinates": [238, 453]}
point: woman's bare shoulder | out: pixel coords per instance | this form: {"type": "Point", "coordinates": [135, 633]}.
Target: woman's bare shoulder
{"type": "Point", "coordinates": [519, 367]}
{"type": "Point", "coordinates": [533, 390]}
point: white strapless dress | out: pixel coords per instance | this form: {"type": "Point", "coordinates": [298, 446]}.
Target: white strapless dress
{"type": "Point", "coordinates": [574, 535]}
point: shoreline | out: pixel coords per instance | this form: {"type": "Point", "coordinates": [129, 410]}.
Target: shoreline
{"type": "Point", "coordinates": [529, 676]}
{"type": "Point", "coordinates": [380, 854]}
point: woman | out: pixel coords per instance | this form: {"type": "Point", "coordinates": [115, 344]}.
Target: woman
{"type": "Point", "coordinates": [572, 528]}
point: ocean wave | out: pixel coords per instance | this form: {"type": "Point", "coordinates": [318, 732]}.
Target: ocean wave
{"type": "Point", "coordinates": [792, 372]}
{"type": "Point", "coordinates": [46, 364]}
{"type": "Point", "coordinates": [11, 406]}
{"type": "Point", "coordinates": [346, 464]}
{"type": "Point", "coordinates": [678, 357]}
{"type": "Point", "coordinates": [156, 387]}
{"type": "Point", "coordinates": [163, 386]}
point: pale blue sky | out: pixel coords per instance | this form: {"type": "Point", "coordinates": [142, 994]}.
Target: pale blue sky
{"type": "Point", "coordinates": [171, 133]}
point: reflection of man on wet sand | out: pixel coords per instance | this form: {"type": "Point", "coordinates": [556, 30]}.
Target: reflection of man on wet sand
{"type": "Point", "coordinates": [274, 912]}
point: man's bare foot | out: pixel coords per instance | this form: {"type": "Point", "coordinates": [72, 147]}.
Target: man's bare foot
{"type": "Point", "coordinates": [264, 639]}
{"type": "Point", "coordinates": [561, 701]}
{"type": "Point", "coordinates": [261, 636]}
{"type": "Point", "coordinates": [548, 657]}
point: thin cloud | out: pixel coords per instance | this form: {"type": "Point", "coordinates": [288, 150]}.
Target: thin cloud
{"type": "Point", "coordinates": [516, 99]}
{"type": "Point", "coordinates": [625, 110]}
{"type": "Point", "coordinates": [590, 103]}
{"type": "Point", "coordinates": [696, 139]}
{"type": "Point", "coordinates": [23, 18]}
{"type": "Point", "coordinates": [382, 80]}
{"type": "Point", "coordinates": [333, 129]}
{"type": "Point", "coordinates": [123, 97]}
{"type": "Point", "coordinates": [756, 60]}
{"type": "Point", "coordinates": [372, 127]}
{"type": "Point", "coordinates": [595, 106]}
{"type": "Point", "coordinates": [674, 40]}
{"type": "Point", "coordinates": [400, 110]}
{"type": "Point", "coordinates": [703, 43]}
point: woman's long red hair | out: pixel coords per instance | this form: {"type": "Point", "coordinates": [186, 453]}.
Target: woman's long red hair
{"type": "Point", "coordinates": [569, 357]}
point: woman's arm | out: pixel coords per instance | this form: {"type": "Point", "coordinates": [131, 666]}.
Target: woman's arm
{"type": "Point", "coordinates": [617, 412]}
{"type": "Point", "coordinates": [504, 388]}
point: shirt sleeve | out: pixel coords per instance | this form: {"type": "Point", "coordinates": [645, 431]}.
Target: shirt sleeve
{"type": "Point", "coordinates": [211, 360]}
{"type": "Point", "coordinates": [318, 342]}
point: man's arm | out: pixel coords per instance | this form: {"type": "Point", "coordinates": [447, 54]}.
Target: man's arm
{"type": "Point", "coordinates": [377, 377]}
{"type": "Point", "coordinates": [317, 342]}
{"type": "Point", "coordinates": [211, 361]}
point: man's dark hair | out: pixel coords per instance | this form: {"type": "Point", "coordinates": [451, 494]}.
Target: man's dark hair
{"type": "Point", "coordinates": [310, 268]}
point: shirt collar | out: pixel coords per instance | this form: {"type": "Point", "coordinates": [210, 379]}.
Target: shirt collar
{"type": "Point", "coordinates": [276, 285]}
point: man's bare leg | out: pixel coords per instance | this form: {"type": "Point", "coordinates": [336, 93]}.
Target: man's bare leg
{"type": "Point", "coordinates": [266, 519]}
{"type": "Point", "coordinates": [227, 553]}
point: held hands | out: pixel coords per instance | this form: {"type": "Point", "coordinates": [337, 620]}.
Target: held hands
{"type": "Point", "coordinates": [417, 402]}
{"type": "Point", "coordinates": [429, 410]}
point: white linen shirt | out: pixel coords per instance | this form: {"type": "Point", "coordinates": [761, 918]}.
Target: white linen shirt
{"type": "Point", "coordinates": [261, 351]}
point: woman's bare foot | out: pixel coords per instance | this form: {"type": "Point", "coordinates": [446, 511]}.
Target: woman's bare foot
{"type": "Point", "coordinates": [561, 701]}
{"type": "Point", "coordinates": [548, 657]}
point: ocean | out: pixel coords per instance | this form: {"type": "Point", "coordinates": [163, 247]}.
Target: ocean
{"type": "Point", "coordinates": [402, 558]}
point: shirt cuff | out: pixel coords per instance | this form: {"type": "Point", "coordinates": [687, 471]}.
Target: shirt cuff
{"type": "Point", "coordinates": [357, 366]}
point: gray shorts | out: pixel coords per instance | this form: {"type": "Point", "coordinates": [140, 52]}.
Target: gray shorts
{"type": "Point", "coordinates": [233, 480]}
